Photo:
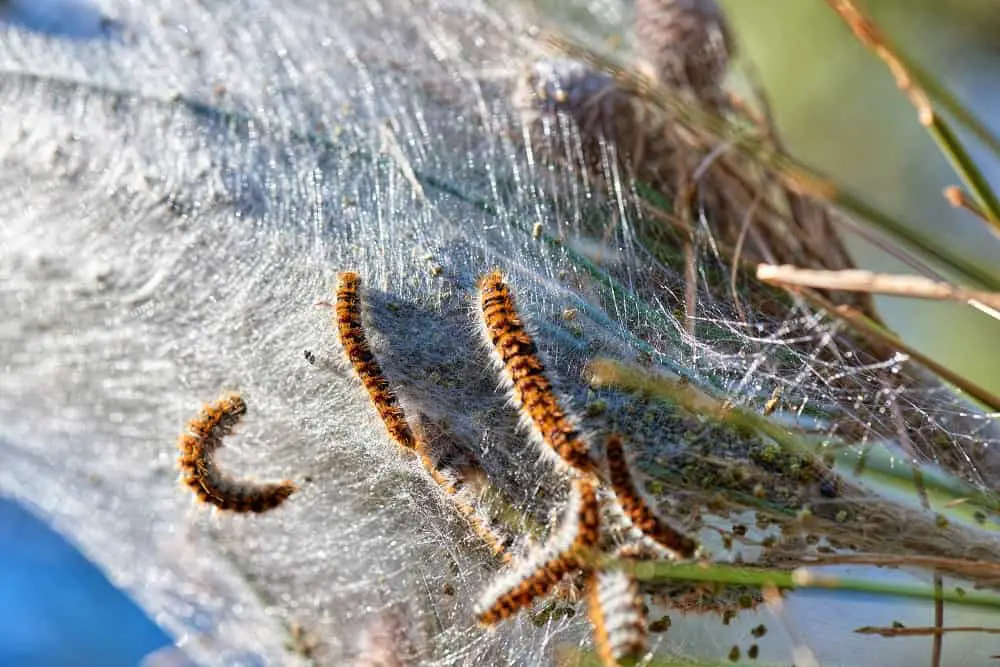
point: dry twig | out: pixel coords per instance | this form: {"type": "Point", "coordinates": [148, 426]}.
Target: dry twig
{"type": "Point", "coordinates": [876, 283]}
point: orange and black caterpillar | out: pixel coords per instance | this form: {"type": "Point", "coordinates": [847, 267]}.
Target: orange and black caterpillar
{"type": "Point", "coordinates": [366, 366]}
{"type": "Point", "coordinates": [636, 507]}
{"type": "Point", "coordinates": [201, 474]}
{"type": "Point", "coordinates": [566, 552]}
{"type": "Point", "coordinates": [516, 356]}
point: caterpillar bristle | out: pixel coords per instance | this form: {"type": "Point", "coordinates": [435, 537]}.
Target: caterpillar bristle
{"type": "Point", "coordinates": [516, 356]}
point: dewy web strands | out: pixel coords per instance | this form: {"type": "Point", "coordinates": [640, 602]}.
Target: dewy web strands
{"type": "Point", "coordinates": [177, 191]}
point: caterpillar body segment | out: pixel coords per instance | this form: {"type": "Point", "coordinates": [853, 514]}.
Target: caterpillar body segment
{"type": "Point", "coordinates": [617, 615]}
{"type": "Point", "coordinates": [567, 551]}
{"type": "Point", "coordinates": [363, 361]}
{"type": "Point", "coordinates": [636, 507]}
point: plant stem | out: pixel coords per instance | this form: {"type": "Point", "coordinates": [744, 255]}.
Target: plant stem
{"type": "Point", "coordinates": [799, 579]}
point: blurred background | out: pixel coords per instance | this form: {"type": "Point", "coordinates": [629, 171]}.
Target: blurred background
{"type": "Point", "coordinates": [840, 111]}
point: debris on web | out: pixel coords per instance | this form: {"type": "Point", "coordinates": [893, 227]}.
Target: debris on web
{"type": "Point", "coordinates": [174, 201]}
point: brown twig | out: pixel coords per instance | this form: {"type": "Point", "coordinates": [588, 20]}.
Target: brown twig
{"type": "Point", "coordinates": [876, 283]}
{"type": "Point", "coordinates": [965, 568]}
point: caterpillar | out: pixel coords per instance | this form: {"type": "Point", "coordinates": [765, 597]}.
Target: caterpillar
{"type": "Point", "coordinates": [201, 474]}
{"type": "Point", "coordinates": [363, 361]}
{"type": "Point", "coordinates": [638, 510]}
{"type": "Point", "coordinates": [565, 553]}
{"type": "Point", "coordinates": [617, 615]}
{"type": "Point", "coordinates": [516, 357]}
{"type": "Point", "coordinates": [449, 477]}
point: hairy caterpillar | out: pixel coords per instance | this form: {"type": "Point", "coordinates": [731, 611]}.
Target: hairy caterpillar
{"type": "Point", "coordinates": [617, 614]}
{"type": "Point", "coordinates": [516, 356]}
{"type": "Point", "coordinates": [636, 507]}
{"type": "Point", "coordinates": [563, 554]}
{"type": "Point", "coordinates": [366, 366]}
{"type": "Point", "coordinates": [201, 474]}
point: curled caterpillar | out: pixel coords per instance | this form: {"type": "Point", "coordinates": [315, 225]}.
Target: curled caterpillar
{"type": "Point", "coordinates": [516, 356]}
{"type": "Point", "coordinates": [201, 474]}
{"type": "Point", "coordinates": [638, 510]}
